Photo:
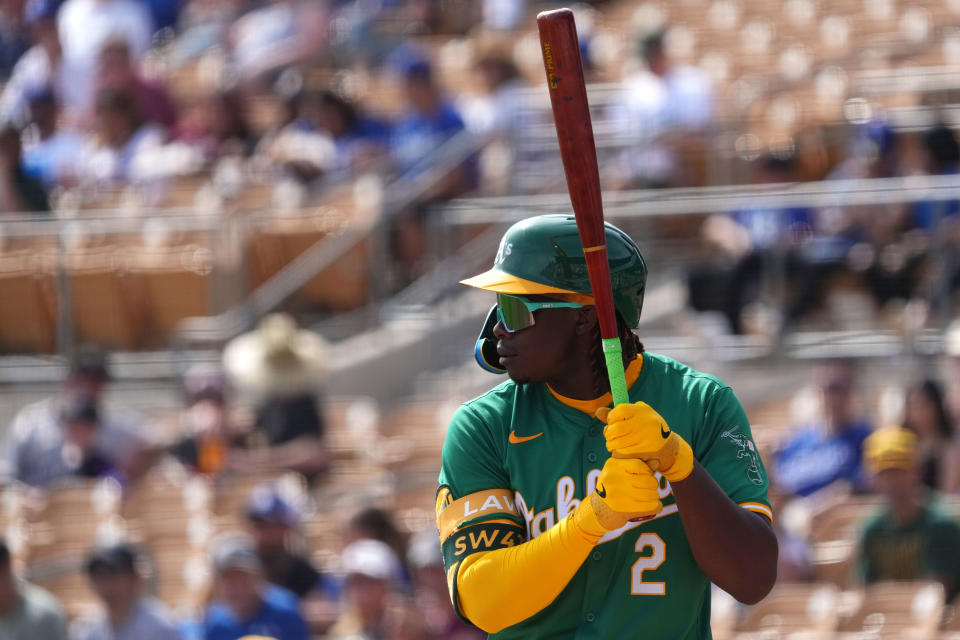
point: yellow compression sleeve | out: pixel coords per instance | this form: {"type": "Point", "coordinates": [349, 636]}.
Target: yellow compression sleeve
{"type": "Point", "coordinates": [495, 588]}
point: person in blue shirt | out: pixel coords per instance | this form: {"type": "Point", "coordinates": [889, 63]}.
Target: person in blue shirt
{"type": "Point", "coordinates": [51, 152]}
{"type": "Point", "coordinates": [427, 122]}
{"type": "Point", "coordinates": [245, 604]}
{"type": "Point", "coordinates": [423, 161]}
{"type": "Point", "coordinates": [830, 450]}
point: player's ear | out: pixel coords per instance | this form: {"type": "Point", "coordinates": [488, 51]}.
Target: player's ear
{"type": "Point", "coordinates": [586, 320]}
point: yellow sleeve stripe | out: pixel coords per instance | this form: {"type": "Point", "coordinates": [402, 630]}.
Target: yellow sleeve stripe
{"type": "Point", "coordinates": [758, 507]}
{"type": "Point", "coordinates": [481, 503]}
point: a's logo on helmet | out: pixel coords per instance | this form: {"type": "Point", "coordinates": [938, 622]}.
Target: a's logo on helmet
{"type": "Point", "coordinates": [505, 250]}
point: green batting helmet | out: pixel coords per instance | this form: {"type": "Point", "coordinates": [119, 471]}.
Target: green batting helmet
{"type": "Point", "coordinates": [543, 255]}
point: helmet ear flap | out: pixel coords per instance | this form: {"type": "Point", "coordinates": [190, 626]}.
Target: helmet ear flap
{"type": "Point", "coordinates": [485, 350]}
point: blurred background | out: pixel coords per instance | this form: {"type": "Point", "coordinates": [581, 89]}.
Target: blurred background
{"type": "Point", "coordinates": [232, 337]}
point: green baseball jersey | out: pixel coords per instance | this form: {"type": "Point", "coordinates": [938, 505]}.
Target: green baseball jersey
{"type": "Point", "coordinates": [927, 548]}
{"type": "Point", "coordinates": [640, 580]}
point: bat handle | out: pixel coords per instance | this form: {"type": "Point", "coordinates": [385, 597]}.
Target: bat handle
{"type": "Point", "coordinates": [613, 354]}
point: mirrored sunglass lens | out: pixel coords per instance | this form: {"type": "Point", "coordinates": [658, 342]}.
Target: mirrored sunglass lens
{"type": "Point", "coordinates": [513, 312]}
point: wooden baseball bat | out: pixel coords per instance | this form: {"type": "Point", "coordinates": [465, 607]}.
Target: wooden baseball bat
{"type": "Point", "coordinates": [571, 114]}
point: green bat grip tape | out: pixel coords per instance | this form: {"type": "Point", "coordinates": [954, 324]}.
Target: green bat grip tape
{"type": "Point", "coordinates": [613, 353]}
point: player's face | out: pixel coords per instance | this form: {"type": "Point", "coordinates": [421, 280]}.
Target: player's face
{"type": "Point", "coordinates": [543, 351]}
{"type": "Point", "coordinates": [897, 485]}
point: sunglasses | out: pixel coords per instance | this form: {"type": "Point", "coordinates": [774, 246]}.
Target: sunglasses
{"type": "Point", "coordinates": [516, 313]}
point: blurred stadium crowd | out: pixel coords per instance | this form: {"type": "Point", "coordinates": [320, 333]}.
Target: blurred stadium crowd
{"type": "Point", "coordinates": [148, 148]}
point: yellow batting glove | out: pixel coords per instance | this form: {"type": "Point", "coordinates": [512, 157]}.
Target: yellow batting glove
{"type": "Point", "coordinates": [626, 490]}
{"type": "Point", "coordinates": [637, 431]}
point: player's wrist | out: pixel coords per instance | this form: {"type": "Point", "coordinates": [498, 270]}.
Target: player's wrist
{"type": "Point", "coordinates": [593, 519]}
{"type": "Point", "coordinates": [683, 459]}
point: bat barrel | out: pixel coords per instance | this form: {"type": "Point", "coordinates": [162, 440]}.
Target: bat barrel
{"type": "Point", "coordinates": [571, 113]}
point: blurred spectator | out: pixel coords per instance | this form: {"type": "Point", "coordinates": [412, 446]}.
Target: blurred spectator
{"type": "Point", "coordinates": [663, 108]}
{"type": "Point", "coordinates": [942, 159]}
{"type": "Point", "coordinates": [938, 225]}
{"type": "Point", "coordinates": [277, 34]}
{"type": "Point", "coordinates": [750, 242]}
{"type": "Point", "coordinates": [428, 122]}
{"type": "Point", "coordinates": [358, 138]}
{"type": "Point", "coordinates": [40, 68]}
{"type": "Point", "coordinates": [12, 40]}
{"type": "Point", "coordinates": [245, 604]}
{"type": "Point", "coordinates": [82, 453]}
{"type": "Point", "coordinates": [431, 594]}
{"type": "Point", "coordinates": [26, 610]}
{"type": "Point", "coordinates": [217, 125]}
{"type": "Point", "coordinates": [124, 140]}
{"type": "Point", "coordinates": [829, 450]}
{"type": "Point", "coordinates": [51, 153]}
{"type": "Point", "coordinates": [42, 448]}
{"type": "Point", "coordinates": [323, 134]}
{"type": "Point", "coordinates": [85, 27]}
{"type": "Point", "coordinates": [503, 15]}
{"type": "Point", "coordinates": [297, 146]}
{"type": "Point", "coordinates": [207, 436]}
{"type": "Point", "coordinates": [19, 192]}
{"type": "Point", "coordinates": [374, 523]}
{"type": "Point", "coordinates": [913, 538]}
{"type": "Point", "coordinates": [495, 111]}
{"type": "Point", "coordinates": [203, 24]}
{"type": "Point", "coordinates": [875, 150]}
{"type": "Point", "coordinates": [370, 568]}
{"type": "Point", "coordinates": [164, 14]}
{"type": "Point", "coordinates": [888, 262]}
{"type": "Point", "coordinates": [117, 72]}
{"type": "Point", "coordinates": [925, 414]}
{"type": "Point", "coordinates": [127, 613]}
{"type": "Point", "coordinates": [281, 369]}
{"type": "Point", "coordinates": [273, 521]}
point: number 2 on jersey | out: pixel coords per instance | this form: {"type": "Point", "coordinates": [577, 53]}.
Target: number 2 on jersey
{"type": "Point", "coordinates": [657, 555]}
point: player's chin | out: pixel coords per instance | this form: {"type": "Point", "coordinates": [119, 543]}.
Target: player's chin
{"type": "Point", "coordinates": [519, 378]}
{"type": "Point", "coordinates": [517, 372]}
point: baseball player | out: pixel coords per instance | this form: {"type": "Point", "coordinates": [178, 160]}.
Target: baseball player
{"type": "Point", "coordinates": [562, 518]}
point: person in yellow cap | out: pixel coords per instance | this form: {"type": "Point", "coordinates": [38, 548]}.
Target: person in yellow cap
{"type": "Point", "coordinates": [912, 538]}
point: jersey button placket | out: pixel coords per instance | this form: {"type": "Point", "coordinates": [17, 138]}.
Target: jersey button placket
{"type": "Point", "coordinates": [591, 457]}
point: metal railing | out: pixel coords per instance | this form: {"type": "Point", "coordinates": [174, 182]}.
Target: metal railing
{"type": "Point", "coordinates": [648, 203]}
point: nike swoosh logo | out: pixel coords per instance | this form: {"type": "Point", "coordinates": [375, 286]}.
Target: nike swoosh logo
{"type": "Point", "coordinates": [601, 490]}
{"type": "Point", "coordinates": [664, 433]}
{"type": "Point", "coordinates": [515, 439]}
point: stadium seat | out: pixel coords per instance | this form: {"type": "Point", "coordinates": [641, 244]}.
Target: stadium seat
{"type": "Point", "coordinates": [793, 608]}
{"type": "Point", "coordinates": [73, 518]}
{"type": "Point", "coordinates": [107, 304]}
{"type": "Point", "coordinates": [834, 534]}
{"type": "Point", "coordinates": [350, 422]}
{"type": "Point", "coordinates": [897, 610]}
{"type": "Point", "coordinates": [344, 285]}
{"type": "Point", "coordinates": [843, 520]}
{"type": "Point", "coordinates": [182, 579]}
{"type": "Point", "coordinates": [28, 287]}
{"type": "Point", "coordinates": [175, 283]}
